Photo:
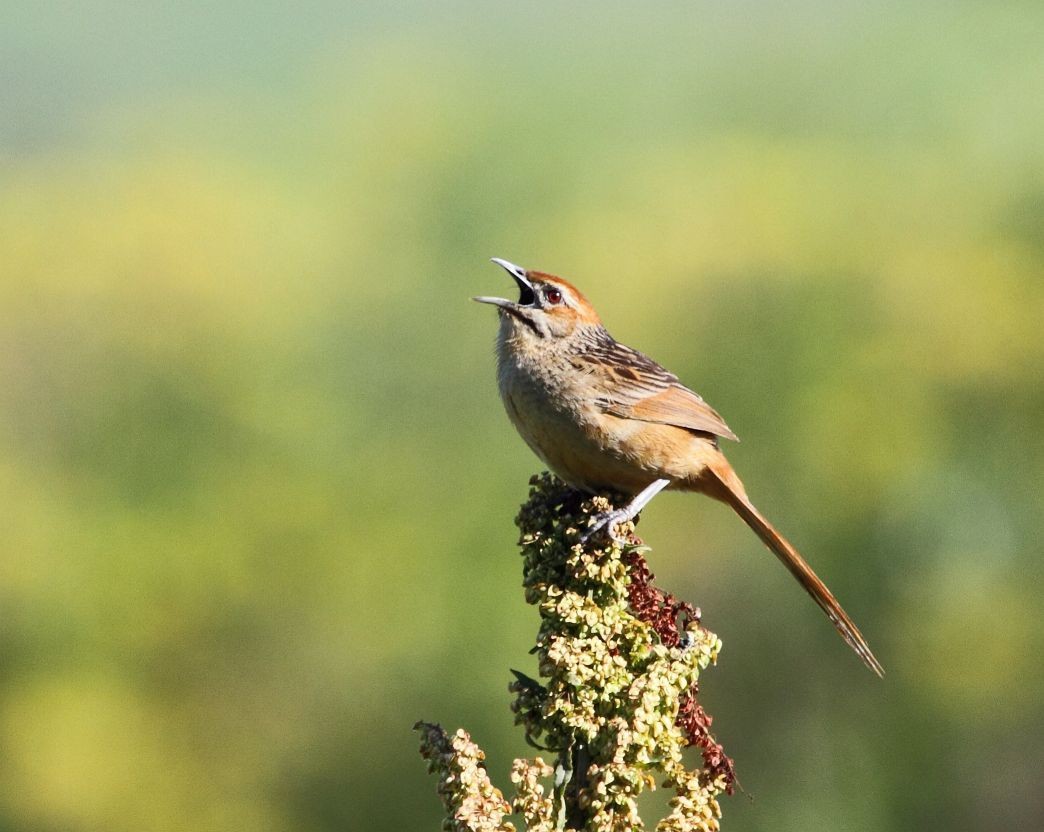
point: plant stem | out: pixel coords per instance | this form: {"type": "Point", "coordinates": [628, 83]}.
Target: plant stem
{"type": "Point", "coordinates": [577, 815]}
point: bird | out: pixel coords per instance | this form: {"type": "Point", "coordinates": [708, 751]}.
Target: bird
{"type": "Point", "coordinates": [606, 418]}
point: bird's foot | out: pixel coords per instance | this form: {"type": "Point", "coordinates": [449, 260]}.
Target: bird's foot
{"type": "Point", "coordinates": [607, 521]}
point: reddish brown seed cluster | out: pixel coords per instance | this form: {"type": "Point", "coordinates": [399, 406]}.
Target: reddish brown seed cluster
{"type": "Point", "coordinates": [670, 617]}
{"type": "Point", "coordinates": [696, 722]}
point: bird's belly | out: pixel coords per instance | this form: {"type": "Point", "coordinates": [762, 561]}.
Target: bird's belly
{"type": "Point", "coordinates": [595, 451]}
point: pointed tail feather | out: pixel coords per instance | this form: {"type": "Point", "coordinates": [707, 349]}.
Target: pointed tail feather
{"type": "Point", "coordinates": [733, 493]}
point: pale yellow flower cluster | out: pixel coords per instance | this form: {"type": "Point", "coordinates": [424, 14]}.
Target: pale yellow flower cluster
{"type": "Point", "coordinates": [472, 802]}
{"type": "Point", "coordinates": [532, 802]}
{"type": "Point", "coordinates": [694, 806]}
{"type": "Point", "coordinates": [608, 700]}
{"type": "Point", "coordinates": [610, 681]}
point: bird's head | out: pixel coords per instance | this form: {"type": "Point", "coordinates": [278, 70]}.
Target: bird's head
{"type": "Point", "coordinates": [547, 306]}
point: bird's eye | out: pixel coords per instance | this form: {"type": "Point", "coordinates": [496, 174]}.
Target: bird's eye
{"type": "Point", "coordinates": [553, 296]}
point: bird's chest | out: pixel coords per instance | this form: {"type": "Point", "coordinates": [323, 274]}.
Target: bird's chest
{"type": "Point", "coordinates": [554, 413]}
{"type": "Point", "coordinates": [544, 408]}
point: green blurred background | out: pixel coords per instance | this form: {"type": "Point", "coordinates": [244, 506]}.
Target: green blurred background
{"type": "Point", "coordinates": [256, 486]}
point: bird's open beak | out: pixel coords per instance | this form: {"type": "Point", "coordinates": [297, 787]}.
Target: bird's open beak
{"type": "Point", "coordinates": [527, 297]}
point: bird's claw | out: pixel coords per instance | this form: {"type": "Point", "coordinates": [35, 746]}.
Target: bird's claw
{"type": "Point", "coordinates": [607, 522]}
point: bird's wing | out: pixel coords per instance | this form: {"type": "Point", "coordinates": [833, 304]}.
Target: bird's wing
{"type": "Point", "coordinates": [633, 386]}
{"type": "Point", "coordinates": [677, 405]}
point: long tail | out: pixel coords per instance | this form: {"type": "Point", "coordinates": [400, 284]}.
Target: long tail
{"type": "Point", "coordinates": [734, 494]}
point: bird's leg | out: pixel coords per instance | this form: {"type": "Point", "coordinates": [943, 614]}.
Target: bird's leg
{"type": "Point", "coordinates": [606, 520]}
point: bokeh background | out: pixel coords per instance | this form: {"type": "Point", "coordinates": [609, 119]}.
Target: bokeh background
{"type": "Point", "coordinates": [256, 487]}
